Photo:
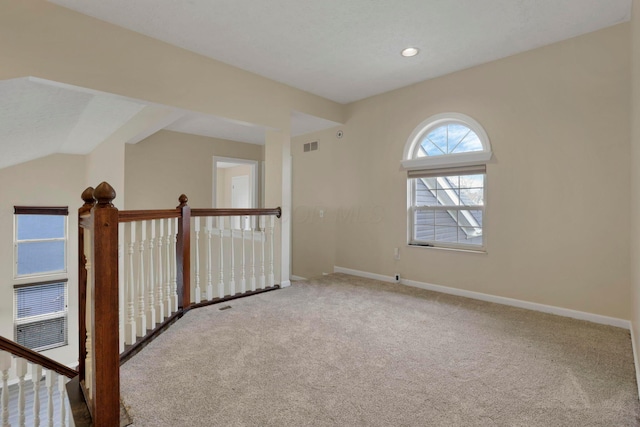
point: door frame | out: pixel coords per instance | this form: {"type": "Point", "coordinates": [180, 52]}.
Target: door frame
{"type": "Point", "coordinates": [253, 179]}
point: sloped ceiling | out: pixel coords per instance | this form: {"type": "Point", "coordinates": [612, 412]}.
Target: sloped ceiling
{"type": "Point", "coordinates": [39, 117]}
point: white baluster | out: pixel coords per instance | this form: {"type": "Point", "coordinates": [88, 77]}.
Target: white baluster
{"type": "Point", "coordinates": [151, 308]}
{"type": "Point", "coordinates": [209, 230]}
{"type": "Point", "coordinates": [197, 272]}
{"type": "Point", "coordinates": [5, 365]}
{"type": "Point", "coordinates": [221, 278]}
{"type": "Point", "coordinates": [271, 227]}
{"type": "Point", "coordinates": [232, 278]}
{"type": "Point", "coordinates": [160, 280]}
{"type": "Point", "coordinates": [262, 257]}
{"type": "Point", "coordinates": [174, 273]}
{"type": "Point", "coordinates": [49, 382]}
{"type": "Point", "coordinates": [253, 252]}
{"type": "Point", "coordinates": [130, 330]}
{"type": "Point", "coordinates": [62, 390]}
{"type": "Point", "coordinates": [167, 270]}
{"type": "Point", "coordinates": [21, 371]}
{"type": "Point", "coordinates": [243, 280]}
{"type": "Point", "coordinates": [36, 377]}
{"type": "Point", "coordinates": [142, 313]}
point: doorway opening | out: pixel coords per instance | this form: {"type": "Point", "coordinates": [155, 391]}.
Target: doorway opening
{"type": "Point", "coordinates": [235, 183]}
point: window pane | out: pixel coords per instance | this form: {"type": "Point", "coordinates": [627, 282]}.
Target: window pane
{"type": "Point", "coordinates": [43, 334]}
{"type": "Point", "coordinates": [40, 227]}
{"type": "Point", "coordinates": [40, 257]}
{"type": "Point", "coordinates": [456, 225]}
{"type": "Point", "coordinates": [40, 299]}
{"type": "Point", "coordinates": [471, 196]}
{"type": "Point", "coordinates": [446, 234]}
{"type": "Point", "coordinates": [471, 142]}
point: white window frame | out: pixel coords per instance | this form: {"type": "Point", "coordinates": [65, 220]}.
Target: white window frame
{"type": "Point", "coordinates": [42, 278]}
{"type": "Point", "coordinates": [410, 162]}
{"type": "Point", "coordinates": [56, 273]}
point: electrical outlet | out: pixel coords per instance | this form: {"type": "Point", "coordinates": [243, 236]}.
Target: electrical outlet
{"type": "Point", "coordinates": [396, 278]}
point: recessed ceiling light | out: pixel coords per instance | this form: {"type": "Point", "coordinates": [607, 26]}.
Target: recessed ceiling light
{"type": "Point", "coordinates": [410, 51]}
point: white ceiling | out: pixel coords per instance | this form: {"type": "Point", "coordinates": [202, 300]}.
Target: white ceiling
{"type": "Point", "coordinates": [346, 50]}
{"type": "Point", "coordinates": [40, 117]}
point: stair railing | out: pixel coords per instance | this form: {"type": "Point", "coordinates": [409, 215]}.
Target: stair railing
{"type": "Point", "coordinates": [135, 270]}
{"type": "Point", "coordinates": [49, 401]}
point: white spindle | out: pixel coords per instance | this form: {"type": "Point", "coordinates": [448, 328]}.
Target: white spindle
{"type": "Point", "coordinates": [174, 273]}
{"type": "Point", "coordinates": [130, 330]}
{"type": "Point", "coordinates": [142, 313]}
{"type": "Point", "coordinates": [232, 278]}
{"type": "Point", "coordinates": [209, 230]}
{"type": "Point", "coordinates": [151, 308]}
{"type": "Point", "coordinates": [36, 377]}
{"type": "Point", "coordinates": [272, 220]}
{"type": "Point", "coordinates": [160, 280]}
{"type": "Point", "coordinates": [167, 270]}
{"type": "Point", "coordinates": [21, 371]}
{"type": "Point", "coordinates": [243, 280]}
{"type": "Point", "coordinates": [5, 365]}
{"type": "Point", "coordinates": [62, 390]}
{"type": "Point", "coordinates": [254, 225]}
{"type": "Point", "coordinates": [49, 382]}
{"type": "Point", "coordinates": [197, 272]}
{"type": "Point", "coordinates": [221, 278]}
{"type": "Point", "coordinates": [262, 257]}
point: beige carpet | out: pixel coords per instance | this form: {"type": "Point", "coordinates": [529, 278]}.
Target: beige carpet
{"type": "Point", "coordinates": [345, 351]}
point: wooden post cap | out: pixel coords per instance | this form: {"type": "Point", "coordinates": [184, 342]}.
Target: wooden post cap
{"type": "Point", "coordinates": [104, 194]}
{"type": "Point", "coordinates": [183, 199]}
{"type": "Point", "coordinates": [87, 196]}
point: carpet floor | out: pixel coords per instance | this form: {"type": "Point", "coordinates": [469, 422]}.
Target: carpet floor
{"type": "Point", "coordinates": [346, 351]}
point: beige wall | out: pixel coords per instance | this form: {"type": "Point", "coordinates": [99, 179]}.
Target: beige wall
{"type": "Point", "coordinates": [557, 219]}
{"type": "Point", "coordinates": [315, 185]}
{"type": "Point", "coordinates": [56, 180]}
{"type": "Point", "coordinates": [635, 176]}
{"type": "Point", "coordinates": [167, 164]}
{"type": "Point", "coordinates": [40, 39]}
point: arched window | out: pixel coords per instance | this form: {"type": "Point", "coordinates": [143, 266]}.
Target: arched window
{"type": "Point", "coordinates": [445, 158]}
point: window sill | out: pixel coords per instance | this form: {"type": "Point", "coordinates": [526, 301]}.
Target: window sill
{"type": "Point", "coordinates": [481, 251]}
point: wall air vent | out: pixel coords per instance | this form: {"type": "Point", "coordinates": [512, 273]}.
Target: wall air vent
{"type": "Point", "coordinates": [310, 146]}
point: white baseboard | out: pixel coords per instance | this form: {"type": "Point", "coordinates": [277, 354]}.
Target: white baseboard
{"type": "Point", "coordinates": [285, 283]}
{"type": "Point", "coordinates": [635, 356]}
{"type": "Point", "coordinates": [565, 312]}
{"type": "Point", "coordinates": [294, 277]}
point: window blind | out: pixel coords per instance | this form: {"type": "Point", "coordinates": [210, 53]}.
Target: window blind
{"type": "Point", "coordinates": [462, 170]}
{"type": "Point", "coordinates": [40, 317]}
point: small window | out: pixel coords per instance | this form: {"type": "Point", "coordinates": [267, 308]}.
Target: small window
{"type": "Point", "coordinates": [41, 315]}
{"type": "Point", "coordinates": [40, 249]}
{"type": "Point", "coordinates": [40, 241]}
{"type": "Point", "coordinates": [446, 158]}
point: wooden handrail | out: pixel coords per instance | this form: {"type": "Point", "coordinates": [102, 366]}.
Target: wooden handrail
{"type": "Point", "coordinates": [236, 212]}
{"type": "Point", "coordinates": [144, 215]}
{"type": "Point", "coordinates": [37, 358]}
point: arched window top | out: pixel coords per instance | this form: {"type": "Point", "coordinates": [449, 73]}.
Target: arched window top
{"type": "Point", "coordinates": [449, 139]}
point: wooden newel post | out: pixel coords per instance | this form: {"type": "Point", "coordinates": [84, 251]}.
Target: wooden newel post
{"type": "Point", "coordinates": [183, 254]}
{"type": "Point", "coordinates": [105, 387]}
{"type": "Point", "coordinates": [89, 202]}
